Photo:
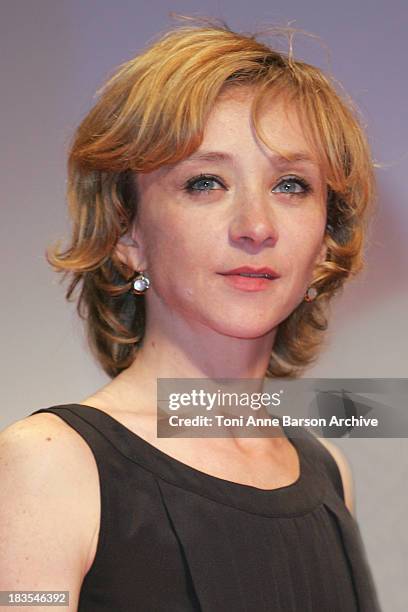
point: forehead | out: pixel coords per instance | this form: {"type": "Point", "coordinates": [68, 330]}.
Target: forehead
{"type": "Point", "coordinates": [229, 131]}
{"type": "Point", "coordinates": [230, 127]}
{"type": "Point", "coordinates": [230, 137]}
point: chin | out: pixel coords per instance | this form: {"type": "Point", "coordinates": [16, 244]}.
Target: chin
{"type": "Point", "coordinates": [246, 330]}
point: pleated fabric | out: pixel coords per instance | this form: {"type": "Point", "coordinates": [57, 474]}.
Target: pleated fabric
{"type": "Point", "coordinates": [174, 539]}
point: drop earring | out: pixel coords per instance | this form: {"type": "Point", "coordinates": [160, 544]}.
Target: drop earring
{"type": "Point", "coordinates": [311, 293]}
{"type": "Point", "coordinates": [140, 283]}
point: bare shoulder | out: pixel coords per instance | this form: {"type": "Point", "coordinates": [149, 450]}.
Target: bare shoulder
{"type": "Point", "coordinates": [345, 472]}
{"type": "Point", "coordinates": [48, 515]}
{"type": "Point", "coordinates": [38, 429]}
{"type": "Point", "coordinates": [45, 441]}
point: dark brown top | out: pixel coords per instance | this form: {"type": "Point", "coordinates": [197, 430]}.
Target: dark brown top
{"type": "Point", "coordinates": [174, 539]}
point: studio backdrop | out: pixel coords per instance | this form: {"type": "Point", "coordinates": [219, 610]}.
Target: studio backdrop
{"type": "Point", "coordinates": [54, 56]}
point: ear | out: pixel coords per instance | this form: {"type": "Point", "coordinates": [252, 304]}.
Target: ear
{"type": "Point", "coordinates": [130, 252]}
{"type": "Point", "coordinates": [322, 253]}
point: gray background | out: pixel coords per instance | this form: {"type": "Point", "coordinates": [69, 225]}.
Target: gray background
{"type": "Point", "coordinates": [54, 55]}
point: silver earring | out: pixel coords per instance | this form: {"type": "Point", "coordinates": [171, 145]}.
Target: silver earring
{"type": "Point", "coordinates": [141, 283]}
{"type": "Point", "coordinates": [310, 294]}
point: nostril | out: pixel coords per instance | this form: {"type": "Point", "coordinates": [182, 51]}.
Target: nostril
{"type": "Point", "coordinates": [253, 230]}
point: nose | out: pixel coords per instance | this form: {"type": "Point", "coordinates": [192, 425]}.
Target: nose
{"type": "Point", "coordinates": [253, 224]}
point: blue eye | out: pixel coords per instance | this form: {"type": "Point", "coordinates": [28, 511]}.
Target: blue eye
{"type": "Point", "coordinates": [292, 185]}
{"type": "Point", "coordinates": [204, 183]}
{"type": "Point", "coordinates": [201, 184]}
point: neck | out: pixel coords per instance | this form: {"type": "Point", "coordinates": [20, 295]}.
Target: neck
{"type": "Point", "coordinates": [185, 350]}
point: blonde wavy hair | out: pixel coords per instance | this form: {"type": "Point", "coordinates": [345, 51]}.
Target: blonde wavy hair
{"type": "Point", "coordinates": [153, 111]}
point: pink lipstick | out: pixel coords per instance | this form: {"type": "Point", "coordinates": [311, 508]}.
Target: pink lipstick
{"type": "Point", "coordinates": [248, 278]}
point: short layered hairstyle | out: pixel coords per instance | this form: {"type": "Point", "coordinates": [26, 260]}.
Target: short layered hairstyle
{"type": "Point", "coordinates": [152, 111]}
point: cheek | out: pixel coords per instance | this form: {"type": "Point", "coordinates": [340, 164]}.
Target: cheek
{"type": "Point", "coordinates": [176, 254]}
{"type": "Point", "coordinates": [175, 236]}
{"type": "Point", "coordinates": [300, 260]}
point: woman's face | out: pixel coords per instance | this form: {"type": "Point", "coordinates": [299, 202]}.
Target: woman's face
{"type": "Point", "coordinates": [233, 203]}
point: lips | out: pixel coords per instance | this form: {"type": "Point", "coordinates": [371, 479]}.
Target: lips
{"type": "Point", "coordinates": [250, 272]}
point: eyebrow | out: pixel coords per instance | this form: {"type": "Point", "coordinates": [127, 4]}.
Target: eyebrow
{"type": "Point", "coordinates": [289, 158]}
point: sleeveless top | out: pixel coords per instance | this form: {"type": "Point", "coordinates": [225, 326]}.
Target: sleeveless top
{"type": "Point", "coordinates": [175, 539]}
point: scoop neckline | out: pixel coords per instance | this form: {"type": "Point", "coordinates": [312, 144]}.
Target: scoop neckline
{"type": "Point", "coordinates": [298, 497]}
{"type": "Point", "coordinates": [152, 448]}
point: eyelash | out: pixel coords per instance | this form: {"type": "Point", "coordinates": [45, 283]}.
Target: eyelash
{"type": "Point", "coordinates": [189, 185]}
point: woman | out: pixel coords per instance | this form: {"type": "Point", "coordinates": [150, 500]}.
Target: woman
{"type": "Point", "coordinates": [207, 153]}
